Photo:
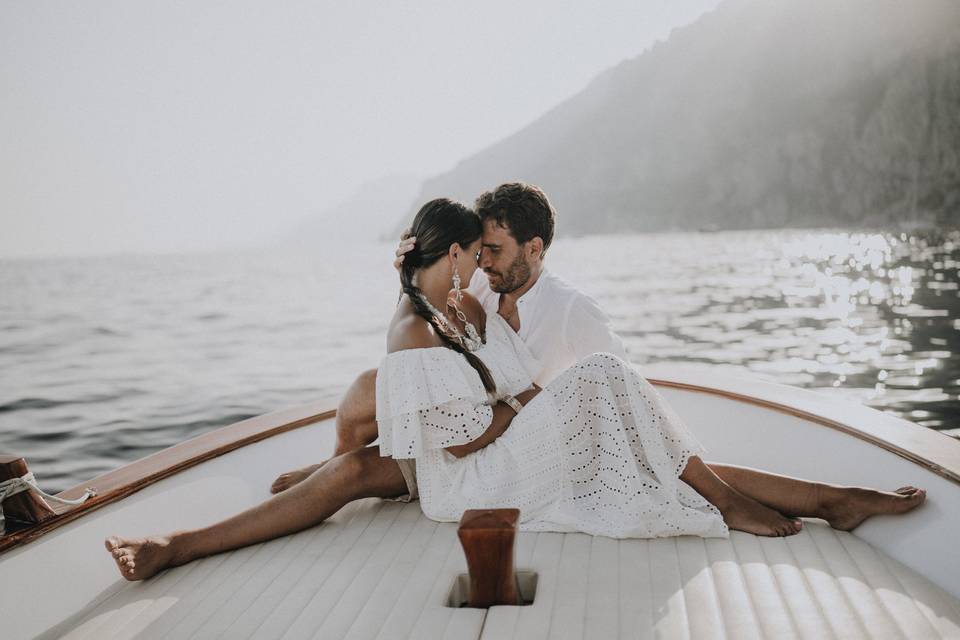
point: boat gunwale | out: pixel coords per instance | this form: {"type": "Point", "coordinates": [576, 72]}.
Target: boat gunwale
{"type": "Point", "coordinates": [919, 445]}
{"type": "Point", "coordinates": [124, 481]}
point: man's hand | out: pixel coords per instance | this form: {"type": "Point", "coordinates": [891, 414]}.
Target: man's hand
{"type": "Point", "coordinates": [406, 245]}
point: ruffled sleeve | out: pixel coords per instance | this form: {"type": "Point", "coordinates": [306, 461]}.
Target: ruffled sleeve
{"type": "Point", "coordinates": [428, 399]}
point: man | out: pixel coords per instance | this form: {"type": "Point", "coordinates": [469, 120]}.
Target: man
{"type": "Point", "coordinates": [558, 323]}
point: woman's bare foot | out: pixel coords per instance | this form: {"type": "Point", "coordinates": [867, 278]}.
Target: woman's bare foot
{"type": "Point", "coordinates": [140, 558]}
{"type": "Point", "coordinates": [290, 478]}
{"type": "Point", "coordinates": [746, 514]}
{"type": "Point", "coordinates": [845, 508]}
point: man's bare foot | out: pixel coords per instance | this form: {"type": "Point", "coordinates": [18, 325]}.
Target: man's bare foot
{"type": "Point", "coordinates": [845, 508]}
{"type": "Point", "coordinates": [290, 478]}
{"type": "Point", "coordinates": [140, 558]}
{"type": "Point", "coordinates": [746, 514]}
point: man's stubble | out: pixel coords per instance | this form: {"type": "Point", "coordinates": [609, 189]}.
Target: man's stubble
{"type": "Point", "coordinates": [517, 275]}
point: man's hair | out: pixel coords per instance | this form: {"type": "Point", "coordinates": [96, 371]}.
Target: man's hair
{"type": "Point", "coordinates": [522, 208]}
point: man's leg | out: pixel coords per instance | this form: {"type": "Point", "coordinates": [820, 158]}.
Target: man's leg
{"type": "Point", "coordinates": [843, 507]}
{"type": "Point", "coordinates": [356, 425]}
{"type": "Point", "coordinates": [357, 414]}
{"type": "Point", "coordinates": [358, 474]}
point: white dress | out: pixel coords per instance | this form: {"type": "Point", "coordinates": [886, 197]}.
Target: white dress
{"type": "Point", "coordinates": [597, 451]}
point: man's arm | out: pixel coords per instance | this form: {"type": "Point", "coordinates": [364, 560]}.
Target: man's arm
{"type": "Point", "coordinates": [503, 415]}
{"type": "Point", "coordinates": [406, 245]}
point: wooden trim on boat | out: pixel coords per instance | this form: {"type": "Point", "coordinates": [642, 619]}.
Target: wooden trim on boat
{"type": "Point", "coordinates": [917, 444]}
{"type": "Point", "coordinates": [120, 483]}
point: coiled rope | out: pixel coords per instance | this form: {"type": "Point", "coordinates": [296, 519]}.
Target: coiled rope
{"type": "Point", "coordinates": [27, 482]}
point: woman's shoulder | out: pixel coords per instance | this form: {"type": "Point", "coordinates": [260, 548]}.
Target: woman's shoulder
{"type": "Point", "coordinates": [409, 331]}
{"type": "Point", "coordinates": [418, 358]}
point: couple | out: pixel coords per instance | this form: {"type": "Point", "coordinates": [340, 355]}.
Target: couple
{"type": "Point", "coordinates": [513, 392]}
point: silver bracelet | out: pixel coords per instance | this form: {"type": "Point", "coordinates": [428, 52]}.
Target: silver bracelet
{"type": "Point", "coordinates": [511, 402]}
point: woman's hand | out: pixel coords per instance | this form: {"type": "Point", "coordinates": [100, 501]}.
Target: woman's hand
{"type": "Point", "coordinates": [528, 395]}
{"type": "Point", "coordinates": [503, 416]}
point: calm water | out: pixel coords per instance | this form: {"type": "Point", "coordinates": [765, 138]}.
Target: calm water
{"type": "Point", "coordinates": [103, 361]}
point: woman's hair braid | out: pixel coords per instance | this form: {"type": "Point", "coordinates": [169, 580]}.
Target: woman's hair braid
{"type": "Point", "coordinates": [437, 225]}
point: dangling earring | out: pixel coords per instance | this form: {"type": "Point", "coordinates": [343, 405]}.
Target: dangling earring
{"type": "Point", "coordinates": [456, 285]}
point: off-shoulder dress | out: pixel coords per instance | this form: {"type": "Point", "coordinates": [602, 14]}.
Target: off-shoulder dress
{"type": "Point", "coordinates": [597, 451]}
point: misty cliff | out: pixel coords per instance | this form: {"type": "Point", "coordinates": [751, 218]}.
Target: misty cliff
{"type": "Point", "coordinates": [761, 113]}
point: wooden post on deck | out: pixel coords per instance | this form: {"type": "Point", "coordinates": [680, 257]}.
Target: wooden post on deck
{"type": "Point", "coordinates": [25, 508]}
{"type": "Point", "coordinates": [488, 537]}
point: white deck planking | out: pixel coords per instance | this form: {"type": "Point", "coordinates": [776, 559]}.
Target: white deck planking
{"type": "Point", "coordinates": [382, 570]}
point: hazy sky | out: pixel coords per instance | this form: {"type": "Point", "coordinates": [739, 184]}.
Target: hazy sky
{"type": "Point", "coordinates": [135, 125]}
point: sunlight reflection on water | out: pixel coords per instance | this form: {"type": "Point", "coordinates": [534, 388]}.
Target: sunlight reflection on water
{"type": "Point", "coordinates": [106, 360]}
{"type": "Point", "coordinates": [871, 316]}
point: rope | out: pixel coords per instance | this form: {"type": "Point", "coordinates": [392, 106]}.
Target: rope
{"type": "Point", "coordinates": [27, 482]}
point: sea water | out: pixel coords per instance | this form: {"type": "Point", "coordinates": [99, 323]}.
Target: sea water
{"type": "Point", "coordinates": [105, 360]}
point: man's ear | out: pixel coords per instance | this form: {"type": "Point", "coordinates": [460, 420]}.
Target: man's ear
{"type": "Point", "coordinates": [535, 245]}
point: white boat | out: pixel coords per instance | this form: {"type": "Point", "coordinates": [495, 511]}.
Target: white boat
{"type": "Point", "coordinates": [380, 569]}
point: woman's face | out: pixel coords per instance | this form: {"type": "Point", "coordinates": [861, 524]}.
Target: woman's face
{"type": "Point", "coordinates": [467, 262]}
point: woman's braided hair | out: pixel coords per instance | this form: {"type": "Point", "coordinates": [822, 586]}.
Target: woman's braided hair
{"type": "Point", "coordinates": [439, 224]}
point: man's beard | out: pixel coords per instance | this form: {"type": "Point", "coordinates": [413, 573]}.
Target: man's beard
{"type": "Point", "coordinates": [515, 277]}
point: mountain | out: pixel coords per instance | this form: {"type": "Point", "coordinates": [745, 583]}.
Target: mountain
{"type": "Point", "coordinates": [367, 214]}
{"type": "Point", "coordinates": [762, 113]}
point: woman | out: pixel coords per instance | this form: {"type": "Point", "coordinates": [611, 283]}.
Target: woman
{"type": "Point", "coordinates": [596, 451]}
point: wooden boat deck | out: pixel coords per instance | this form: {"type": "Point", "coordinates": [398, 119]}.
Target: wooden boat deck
{"type": "Point", "coordinates": [381, 570]}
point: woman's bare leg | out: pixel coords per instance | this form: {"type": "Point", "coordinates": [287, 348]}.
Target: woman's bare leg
{"type": "Point", "coordinates": [843, 507]}
{"type": "Point", "coordinates": [356, 425]}
{"type": "Point", "coordinates": [358, 474]}
{"type": "Point", "coordinates": [739, 511]}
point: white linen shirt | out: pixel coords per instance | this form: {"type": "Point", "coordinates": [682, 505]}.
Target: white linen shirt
{"type": "Point", "coordinates": [559, 323]}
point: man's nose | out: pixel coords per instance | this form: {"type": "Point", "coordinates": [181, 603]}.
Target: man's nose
{"type": "Point", "coordinates": [483, 261]}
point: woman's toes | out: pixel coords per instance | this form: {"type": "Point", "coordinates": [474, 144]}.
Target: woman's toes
{"type": "Point", "coordinates": [789, 527]}
{"type": "Point", "coordinates": [912, 494]}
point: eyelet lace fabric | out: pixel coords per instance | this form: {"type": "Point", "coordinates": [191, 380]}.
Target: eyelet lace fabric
{"type": "Point", "coordinates": [598, 451]}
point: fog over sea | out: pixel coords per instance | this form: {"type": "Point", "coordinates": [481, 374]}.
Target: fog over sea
{"type": "Point", "coordinates": [105, 360]}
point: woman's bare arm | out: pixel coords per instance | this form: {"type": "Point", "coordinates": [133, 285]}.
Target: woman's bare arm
{"type": "Point", "coordinates": [502, 417]}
